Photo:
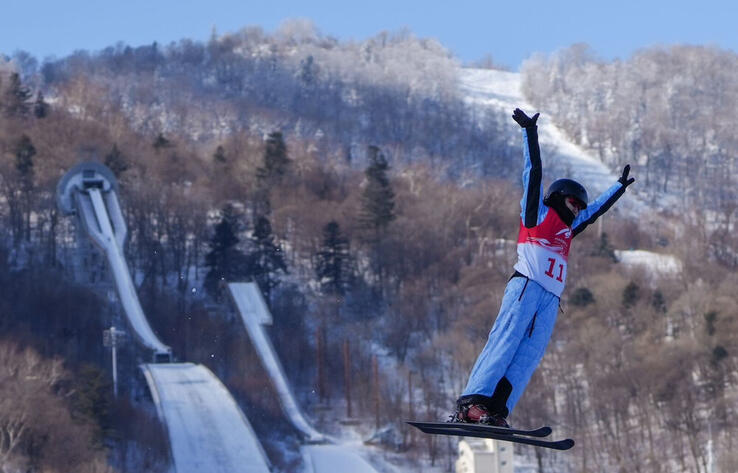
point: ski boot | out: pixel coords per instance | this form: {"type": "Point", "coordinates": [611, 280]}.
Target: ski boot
{"type": "Point", "coordinates": [478, 414]}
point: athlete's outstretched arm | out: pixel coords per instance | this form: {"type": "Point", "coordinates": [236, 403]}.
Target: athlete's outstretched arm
{"type": "Point", "coordinates": [603, 203]}
{"type": "Point", "coordinates": [532, 202]}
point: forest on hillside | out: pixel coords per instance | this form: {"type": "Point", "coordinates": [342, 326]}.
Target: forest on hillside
{"type": "Point", "coordinates": [394, 90]}
{"type": "Point", "coordinates": [668, 110]}
{"type": "Point", "coordinates": [384, 252]}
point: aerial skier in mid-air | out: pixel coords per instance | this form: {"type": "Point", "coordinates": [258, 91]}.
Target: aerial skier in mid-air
{"type": "Point", "coordinates": [531, 302]}
{"type": "Point", "coordinates": [524, 324]}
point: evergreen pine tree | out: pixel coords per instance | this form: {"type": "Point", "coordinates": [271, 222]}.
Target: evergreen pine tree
{"type": "Point", "coordinates": [92, 399]}
{"type": "Point", "coordinates": [276, 162]}
{"type": "Point", "coordinates": [17, 97]}
{"type": "Point", "coordinates": [378, 198]}
{"type": "Point", "coordinates": [265, 260]}
{"type": "Point", "coordinates": [275, 165]}
{"type": "Point", "coordinates": [631, 294]}
{"type": "Point", "coordinates": [308, 71]}
{"type": "Point", "coordinates": [220, 156]}
{"type": "Point", "coordinates": [658, 301]}
{"type": "Point", "coordinates": [21, 202]}
{"type": "Point", "coordinates": [116, 161]}
{"type": "Point", "coordinates": [225, 262]}
{"type": "Point", "coordinates": [333, 261]}
{"type": "Point", "coordinates": [581, 297]}
{"type": "Point", "coordinates": [161, 142]}
{"type": "Point", "coordinates": [40, 107]}
{"type": "Point", "coordinates": [605, 249]}
{"type": "Point", "coordinates": [24, 153]}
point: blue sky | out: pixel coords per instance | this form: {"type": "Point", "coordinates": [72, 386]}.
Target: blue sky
{"type": "Point", "coordinates": [508, 30]}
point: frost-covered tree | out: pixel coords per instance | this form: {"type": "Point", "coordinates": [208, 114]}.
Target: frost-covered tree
{"type": "Point", "coordinates": [393, 89]}
{"type": "Point", "coordinates": [664, 110]}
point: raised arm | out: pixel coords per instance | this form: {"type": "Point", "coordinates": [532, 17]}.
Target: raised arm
{"type": "Point", "coordinates": [532, 202]}
{"type": "Point", "coordinates": [603, 203]}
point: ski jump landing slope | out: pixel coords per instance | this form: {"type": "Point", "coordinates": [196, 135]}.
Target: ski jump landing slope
{"type": "Point", "coordinates": [331, 456]}
{"type": "Point", "coordinates": [207, 430]}
{"type": "Point", "coordinates": [334, 459]}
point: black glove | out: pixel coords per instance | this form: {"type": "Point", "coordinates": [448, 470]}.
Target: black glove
{"type": "Point", "coordinates": [624, 178]}
{"type": "Point", "coordinates": [524, 120]}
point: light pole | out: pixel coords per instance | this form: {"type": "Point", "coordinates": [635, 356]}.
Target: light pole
{"type": "Point", "coordinates": [113, 338]}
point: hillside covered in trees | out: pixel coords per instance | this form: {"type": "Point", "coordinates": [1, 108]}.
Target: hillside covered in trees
{"type": "Point", "coordinates": [327, 172]}
{"type": "Point", "coordinates": [393, 89]}
{"type": "Point", "coordinates": [670, 110]}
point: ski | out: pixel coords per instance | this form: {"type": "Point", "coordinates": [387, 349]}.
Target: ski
{"type": "Point", "coordinates": [540, 432]}
{"type": "Point", "coordinates": [565, 444]}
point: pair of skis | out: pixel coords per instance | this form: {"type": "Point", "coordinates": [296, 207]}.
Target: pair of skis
{"type": "Point", "coordinates": [527, 437]}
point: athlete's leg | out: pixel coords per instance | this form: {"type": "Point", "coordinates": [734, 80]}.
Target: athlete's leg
{"type": "Point", "coordinates": [518, 306]}
{"type": "Point", "coordinates": [532, 347]}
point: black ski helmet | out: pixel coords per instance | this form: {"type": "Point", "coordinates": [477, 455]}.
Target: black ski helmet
{"type": "Point", "coordinates": [567, 188]}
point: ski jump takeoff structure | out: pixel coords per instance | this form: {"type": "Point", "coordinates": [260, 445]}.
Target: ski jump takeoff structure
{"type": "Point", "coordinates": [89, 192]}
{"type": "Point", "coordinates": [321, 454]}
{"type": "Point", "coordinates": [207, 430]}
{"type": "Point", "coordinates": [255, 314]}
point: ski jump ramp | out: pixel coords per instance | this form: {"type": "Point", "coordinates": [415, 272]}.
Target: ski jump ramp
{"type": "Point", "coordinates": [207, 430]}
{"type": "Point", "coordinates": [322, 454]}
{"type": "Point", "coordinates": [255, 315]}
{"type": "Point", "coordinates": [88, 191]}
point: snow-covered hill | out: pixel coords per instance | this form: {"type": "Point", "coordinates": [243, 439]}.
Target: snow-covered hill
{"type": "Point", "coordinates": [500, 92]}
{"type": "Point", "coordinates": [655, 264]}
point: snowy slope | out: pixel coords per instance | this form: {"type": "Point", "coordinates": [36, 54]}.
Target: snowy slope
{"type": "Point", "coordinates": [207, 430]}
{"type": "Point", "coordinates": [500, 92]}
{"type": "Point", "coordinates": [654, 264]}
{"type": "Point", "coordinates": [334, 458]}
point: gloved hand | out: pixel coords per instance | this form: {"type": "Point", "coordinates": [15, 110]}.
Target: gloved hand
{"type": "Point", "coordinates": [624, 178]}
{"type": "Point", "coordinates": [524, 120]}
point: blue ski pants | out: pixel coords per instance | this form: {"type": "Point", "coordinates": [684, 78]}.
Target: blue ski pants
{"type": "Point", "coordinates": [517, 340]}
